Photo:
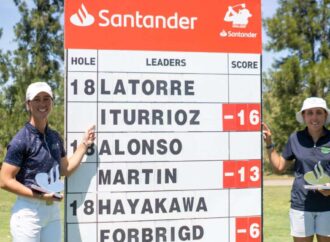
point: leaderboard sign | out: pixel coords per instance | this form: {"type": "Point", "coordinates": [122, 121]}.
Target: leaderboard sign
{"type": "Point", "coordinates": [174, 89]}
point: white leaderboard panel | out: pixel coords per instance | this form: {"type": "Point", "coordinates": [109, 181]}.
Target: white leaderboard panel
{"type": "Point", "coordinates": [175, 93]}
{"type": "Point", "coordinates": [170, 147]}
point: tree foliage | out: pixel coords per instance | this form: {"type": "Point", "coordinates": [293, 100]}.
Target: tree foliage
{"type": "Point", "coordinates": [38, 57]}
{"type": "Point", "coordinates": [300, 30]}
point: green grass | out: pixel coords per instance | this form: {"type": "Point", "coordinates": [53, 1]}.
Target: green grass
{"type": "Point", "coordinates": [6, 201]}
{"type": "Point", "coordinates": [276, 214]}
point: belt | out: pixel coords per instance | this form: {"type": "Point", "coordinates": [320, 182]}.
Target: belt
{"type": "Point", "coordinates": [33, 200]}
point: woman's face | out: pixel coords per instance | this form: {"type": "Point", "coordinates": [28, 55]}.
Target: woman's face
{"type": "Point", "coordinates": [41, 106]}
{"type": "Point", "coordinates": [315, 118]}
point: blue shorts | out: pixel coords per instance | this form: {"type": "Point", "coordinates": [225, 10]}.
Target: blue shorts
{"type": "Point", "coordinates": [305, 224]}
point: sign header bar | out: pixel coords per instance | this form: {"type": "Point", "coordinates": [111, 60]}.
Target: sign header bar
{"type": "Point", "coordinates": [223, 26]}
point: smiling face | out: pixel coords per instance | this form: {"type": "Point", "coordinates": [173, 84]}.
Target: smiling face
{"type": "Point", "coordinates": [40, 107]}
{"type": "Point", "coordinates": [315, 118]}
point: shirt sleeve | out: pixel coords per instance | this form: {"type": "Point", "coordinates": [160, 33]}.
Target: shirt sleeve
{"type": "Point", "coordinates": [287, 151]}
{"type": "Point", "coordinates": [16, 152]}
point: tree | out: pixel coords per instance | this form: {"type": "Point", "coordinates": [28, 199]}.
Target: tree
{"type": "Point", "coordinates": [300, 29]}
{"type": "Point", "coordinates": [38, 57]}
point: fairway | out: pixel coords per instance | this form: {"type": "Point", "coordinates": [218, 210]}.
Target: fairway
{"type": "Point", "coordinates": [6, 201]}
{"type": "Point", "coordinates": [276, 214]}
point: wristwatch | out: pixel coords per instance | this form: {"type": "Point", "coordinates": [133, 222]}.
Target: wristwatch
{"type": "Point", "coordinates": [270, 146]}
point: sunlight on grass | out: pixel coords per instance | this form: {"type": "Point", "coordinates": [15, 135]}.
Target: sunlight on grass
{"type": "Point", "coordinates": [6, 201]}
{"type": "Point", "coordinates": [276, 214]}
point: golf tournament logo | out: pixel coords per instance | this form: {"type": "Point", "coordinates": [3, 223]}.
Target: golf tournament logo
{"type": "Point", "coordinates": [325, 150]}
{"type": "Point", "coordinates": [82, 18]}
{"type": "Point", "coordinates": [239, 16]}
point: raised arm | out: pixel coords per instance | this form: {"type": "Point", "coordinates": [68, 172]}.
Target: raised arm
{"type": "Point", "coordinates": [69, 165]}
{"type": "Point", "coordinates": [276, 160]}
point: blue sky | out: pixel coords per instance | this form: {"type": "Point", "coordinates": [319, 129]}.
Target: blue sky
{"type": "Point", "coordinates": [9, 16]}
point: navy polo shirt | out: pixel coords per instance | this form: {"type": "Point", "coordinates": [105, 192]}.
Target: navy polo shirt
{"type": "Point", "coordinates": [306, 153]}
{"type": "Point", "coordinates": [35, 153]}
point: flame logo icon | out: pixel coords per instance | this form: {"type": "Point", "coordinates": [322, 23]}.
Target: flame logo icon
{"type": "Point", "coordinates": [223, 33]}
{"type": "Point", "coordinates": [82, 17]}
{"type": "Point", "coordinates": [50, 181]}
